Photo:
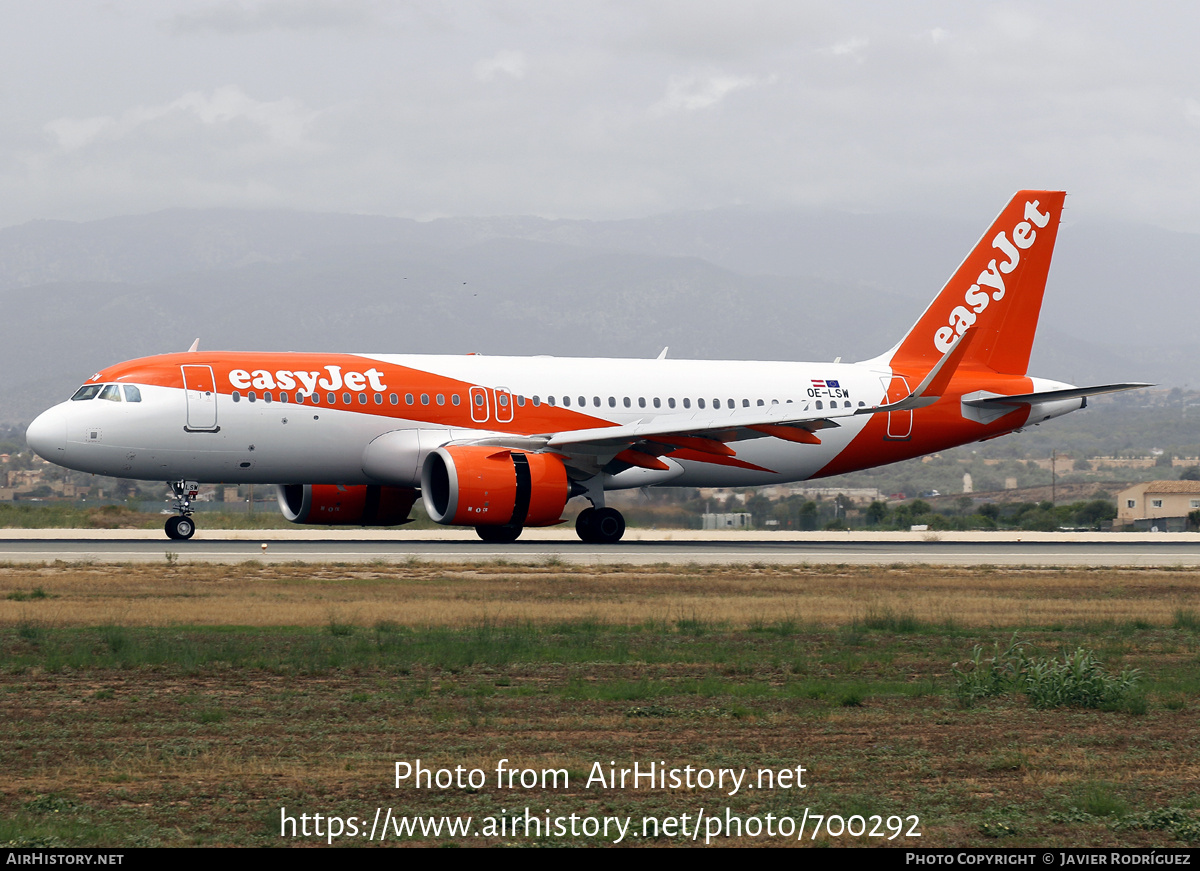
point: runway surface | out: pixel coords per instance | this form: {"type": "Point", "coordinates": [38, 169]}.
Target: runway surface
{"type": "Point", "coordinates": [1044, 550]}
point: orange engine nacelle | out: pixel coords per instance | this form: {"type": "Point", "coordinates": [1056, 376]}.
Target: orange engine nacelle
{"type": "Point", "coordinates": [488, 486]}
{"type": "Point", "coordinates": [357, 505]}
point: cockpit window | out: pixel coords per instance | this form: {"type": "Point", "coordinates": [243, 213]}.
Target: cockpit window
{"type": "Point", "coordinates": [87, 391]}
{"type": "Point", "coordinates": [111, 392]}
{"type": "Point", "coordinates": [132, 394]}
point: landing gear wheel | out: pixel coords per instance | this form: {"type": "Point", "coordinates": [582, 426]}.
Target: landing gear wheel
{"type": "Point", "coordinates": [608, 526]}
{"type": "Point", "coordinates": [583, 525]}
{"type": "Point", "coordinates": [498, 534]}
{"type": "Point", "coordinates": [600, 525]}
{"type": "Point", "coordinates": [180, 528]}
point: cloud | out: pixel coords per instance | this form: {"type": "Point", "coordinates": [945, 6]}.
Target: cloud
{"type": "Point", "coordinates": [1191, 111]}
{"type": "Point", "coordinates": [509, 63]}
{"type": "Point", "coordinates": [692, 93]}
{"type": "Point", "coordinates": [234, 17]}
{"type": "Point", "coordinates": [852, 47]}
{"type": "Point", "coordinates": [281, 122]}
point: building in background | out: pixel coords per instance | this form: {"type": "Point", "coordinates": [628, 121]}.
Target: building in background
{"type": "Point", "coordinates": [1161, 504]}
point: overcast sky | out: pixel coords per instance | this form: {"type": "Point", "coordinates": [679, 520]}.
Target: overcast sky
{"type": "Point", "coordinates": [597, 109]}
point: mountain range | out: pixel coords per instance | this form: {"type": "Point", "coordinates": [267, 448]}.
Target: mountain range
{"type": "Point", "coordinates": [724, 283]}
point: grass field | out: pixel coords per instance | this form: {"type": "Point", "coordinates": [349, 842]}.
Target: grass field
{"type": "Point", "coordinates": [189, 704]}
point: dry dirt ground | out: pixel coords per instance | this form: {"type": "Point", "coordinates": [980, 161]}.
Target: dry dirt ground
{"type": "Point", "coordinates": [197, 705]}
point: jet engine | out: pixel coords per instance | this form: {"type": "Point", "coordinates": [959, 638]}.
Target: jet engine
{"type": "Point", "coordinates": [474, 485]}
{"type": "Point", "coordinates": [334, 505]}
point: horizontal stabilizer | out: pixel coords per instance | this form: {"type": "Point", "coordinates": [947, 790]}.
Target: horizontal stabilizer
{"type": "Point", "coordinates": [983, 400]}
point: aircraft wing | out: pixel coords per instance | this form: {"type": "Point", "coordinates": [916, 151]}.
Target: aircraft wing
{"type": "Point", "coordinates": [697, 435]}
{"type": "Point", "coordinates": [730, 426]}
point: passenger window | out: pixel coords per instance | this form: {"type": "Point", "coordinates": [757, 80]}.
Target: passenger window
{"type": "Point", "coordinates": [820, 405]}
{"type": "Point", "coordinates": [87, 391]}
{"type": "Point", "coordinates": [237, 397]}
{"type": "Point", "coordinates": [595, 401]}
{"type": "Point", "coordinates": [111, 392]}
{"type": "Point", "coordinates": [408, 399]}
{"type": "Point", "coordinates": [627, 402]}
{"type": "Point", "coordinates": [393, 399]}
{"type": "Point", "coordinates": [346, 399]}
{"type": "Point", "coordinates": [641, 402]}
{"type": "Point", "coordinates": [671, 402]}
{"type": "Point", "coordinates": [612, 402]}
{"type": "Point", "coordinates": [378, 399]}
{"type": "Point", "coordinates": [657, 402]}
{"type": "Point", "coordinates": [760, 402]}
{"type": "Point", "coordinates": [267, 397]}
{"type": "Point", "coordinates": [700, 403]}
{"type": "Point", "coordinates": [441, 399]}
{"type": "Point", "coordinates": [550, 400]}
{"type": "Point", "coordinates": [252, 396]}
{"type": "Point", "coordinates": [502, 400]}
{"type": "Point", "coordinates": [537, 401]}
{"type": "Point", "coordinates": [332, 398]}
{"type": "Point", "coordinates": [283, 397]}
{"type": "Point", "coordinates": [132, 394]}
{"type": "Point", "coordinates": [583, 401]}
{"type": "Point", "coordinates": [424, 398]}
{"type": "Point", "coordinates": [299, 397]}
{"type": "Point", "coordinates": [566, 402]}
{"type": "Point", "coordinates": [687, 403]}
{"type": "Point", "coordinates": [454, 400]}
{"type": "Point", "coordinates": [478, 399]}
{"type": "Point", "coordinates": [521, 401]}
{"type": "Point", "coordinates": [745, 403]}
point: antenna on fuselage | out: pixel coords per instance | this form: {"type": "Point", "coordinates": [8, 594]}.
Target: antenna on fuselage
{"type": "Point", "coordinates": [195, 346]}
{"type": "Point", "coordinates": [663, 355]}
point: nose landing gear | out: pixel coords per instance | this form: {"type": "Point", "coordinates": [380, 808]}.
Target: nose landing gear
{"type": "Point", "coordinates": [182, 527]}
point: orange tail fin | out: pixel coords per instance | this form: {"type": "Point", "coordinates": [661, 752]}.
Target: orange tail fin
{"type": "Point", "coordinates": [996, 292]}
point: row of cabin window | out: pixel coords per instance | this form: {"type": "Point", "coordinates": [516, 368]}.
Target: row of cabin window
{"type": "Point", "coordinates": [656, 402]}
{"type": "Point", "coordinates": [347, 398]}
{"type": "Point", "coordinates": [440, 399]}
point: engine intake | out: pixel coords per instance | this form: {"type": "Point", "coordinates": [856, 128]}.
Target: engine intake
{"type": "Point", "coordinates": [357, 505]}
{"type": "Point", "coordinates": [471, 485]}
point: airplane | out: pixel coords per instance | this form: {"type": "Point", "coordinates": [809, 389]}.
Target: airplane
{"type": "Point", "coordinates": [503, 443]}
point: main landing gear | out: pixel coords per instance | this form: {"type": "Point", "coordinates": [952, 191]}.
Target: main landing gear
{"type": "Point", "coordinates": [182, 527]}
{"type": "Point", "coordinates": [594, 525]}
{"type": "Point", "coordinates": [600, 525]}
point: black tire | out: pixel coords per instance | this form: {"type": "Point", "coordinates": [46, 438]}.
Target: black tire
{"type": "Point", "coordinates": [180, 528]}
{"type": "Point", "coordinates": [583, 526]}
{"type": "Point", "coordinates": [607, 526]}
{"type": "Point", "coordinates": [498, 534]}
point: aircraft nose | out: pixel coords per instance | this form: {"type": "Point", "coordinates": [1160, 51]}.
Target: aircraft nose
{"type": "Point", "coordinates": [47, 435]}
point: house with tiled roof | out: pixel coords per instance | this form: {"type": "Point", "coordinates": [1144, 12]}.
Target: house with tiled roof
{"type": "Point", "coordinates": [1161, 504]}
